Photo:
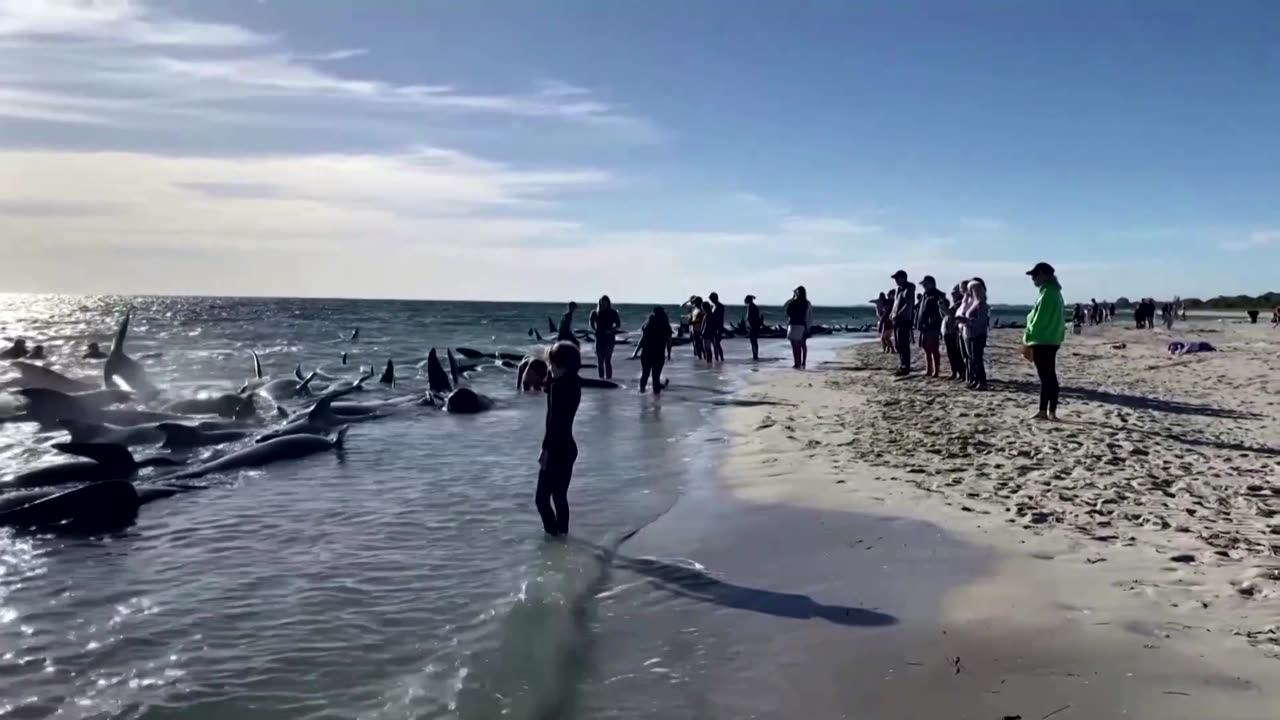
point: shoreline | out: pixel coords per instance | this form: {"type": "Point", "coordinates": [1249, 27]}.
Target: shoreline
{"type": "Point", "coordinates": [1039, 619]}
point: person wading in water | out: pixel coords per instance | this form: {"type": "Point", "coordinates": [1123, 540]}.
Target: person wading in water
{"type": "Point", "coordinates": [559, 450]}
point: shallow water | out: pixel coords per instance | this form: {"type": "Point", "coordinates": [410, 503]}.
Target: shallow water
{"type": "Point", "coordinates": [403, 577]}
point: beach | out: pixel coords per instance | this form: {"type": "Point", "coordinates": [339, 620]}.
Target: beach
{"type": "Point", "coordinates": [1116, 564]}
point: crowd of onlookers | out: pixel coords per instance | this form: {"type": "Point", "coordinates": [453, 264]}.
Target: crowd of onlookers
{"type": "Point", "coordinates": [932, 319]}
{"type": "Point", "coordinates": [959, 322]}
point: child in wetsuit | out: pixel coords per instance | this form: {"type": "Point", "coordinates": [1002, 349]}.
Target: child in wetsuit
{"type": "Point", "coordinates": [559, 451]}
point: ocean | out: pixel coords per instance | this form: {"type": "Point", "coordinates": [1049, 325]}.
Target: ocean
{"type": "Point", "coordinates": [406, 576]}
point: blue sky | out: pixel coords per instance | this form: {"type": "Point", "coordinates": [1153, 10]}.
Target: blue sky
{"type": "Point", "coordinates": [537, 150]}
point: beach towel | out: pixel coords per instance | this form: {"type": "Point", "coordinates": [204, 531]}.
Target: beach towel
{"type": "Point", "coordinates": [1179, 347]}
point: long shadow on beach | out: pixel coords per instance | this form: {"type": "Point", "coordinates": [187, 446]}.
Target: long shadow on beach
{"type": "Point", "coordinates": [697, 585]}
{"type": "Point", "coordinates": [1187, 440]}
{"type": "Point", "coordinates": [1137, 402]}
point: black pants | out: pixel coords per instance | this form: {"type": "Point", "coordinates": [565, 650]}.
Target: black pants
{"type": "Point", "coordinates": [1045, 358]}
{"type": "Point", "coordinates": [604, 355]}
{"type": "Point", "coordinates": [902, 342]}
{"type": "Point", "coordinates": [552, 496]}
{"type": "Point", "coordinates": [955, 355]}
{"type": "Point", "coordinates": [754, 337]}
{"type": "Point", "coordinates": [977, 367]}
{"type": "Point", "coordinates": [651, 363]}
{"type": "Point", "coordinates": [696, 337]}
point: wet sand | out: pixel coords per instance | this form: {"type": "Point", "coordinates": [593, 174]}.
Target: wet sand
{"type": "Point", "coordinates": [1115, 565]}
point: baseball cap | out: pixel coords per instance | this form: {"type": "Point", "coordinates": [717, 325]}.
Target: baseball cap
{"type": "Point", "coordinates": [900, 274]}
{"type": "Point", "coordinates": [929, 279]}
{"type": "Point", "coordinates": [1041, 268]}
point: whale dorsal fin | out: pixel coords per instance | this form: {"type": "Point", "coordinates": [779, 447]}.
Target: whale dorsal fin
{"type": "Point", "coordinates": [257, 364]}
{"type": "Point", "coordinates": [306, 381]}
{"type": "Point", "coordinates": [297, 372]}
{"type": "Point", "coordinates": [101, 453]}
{"type": "Point", "coordinates": [389, 374]}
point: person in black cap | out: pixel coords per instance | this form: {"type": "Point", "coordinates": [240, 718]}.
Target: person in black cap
{"type": "Point", "coordinates": [933, 308]}
{"type": "Point", "coordinates": [1045, 331]}
{"type": "Point", "coordinates": [902, 316]}
{"type": "Point", "coordinates": [754, 321]}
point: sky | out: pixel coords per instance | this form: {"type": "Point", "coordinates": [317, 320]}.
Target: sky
{"type": "Point", "coordinates": [518, 150]}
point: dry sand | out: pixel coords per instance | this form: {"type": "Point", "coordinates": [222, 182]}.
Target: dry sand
{"type": "Point", "coordinates": [1136, 542]}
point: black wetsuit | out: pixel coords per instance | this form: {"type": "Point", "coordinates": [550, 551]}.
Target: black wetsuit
{"type": "Point", "coordinates": [565, 331]}
{"type": "Point", "coordinates": [655, 338]}
{"type": "Point", "coordinates": [714, 329]}
{"type": "Point", "coordinates": [552, 498]}
{"type": "Point", "coordinates": [755, 320]}
{"type": "Point", "coordinates": [604, 323]}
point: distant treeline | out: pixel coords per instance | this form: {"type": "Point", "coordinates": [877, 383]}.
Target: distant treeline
{"type": "Point", "coordinates": [1234, 302]}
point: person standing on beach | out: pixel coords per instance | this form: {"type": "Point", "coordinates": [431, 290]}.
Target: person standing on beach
{"type": "Point", "coordinates": [605, 321]}
{"type": "Point", "coordinates": [904, 303]}
{"type": "Point", "coordinates": [951, 334]}
{"type": "Point", "coordinates": [754, 321]}
{"type": "Point", "coordinates": [799, 319]}
{"type": "Point", "coordinates": [716, 326]}
{"type": "Point", "coordinates": [974, 322]}
{"type": "Point", "coordinates": [559, 450]}
{"type": "Point", "coordinates": [565, 332]}
{"type": "Point", "coordinates": [655, 348]}
{"type": "Point", "coordinates": [883, 325]}
{"type": "Point", "coordinates": [1043, 336]}
{"type": "Point", "coordinates": [933, 306]}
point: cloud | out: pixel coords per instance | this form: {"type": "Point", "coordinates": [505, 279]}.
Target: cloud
{"type": "Point", "coordinates": [984, 224]}
{"type": "Point", "coordinates": [116, 22]}
{"type": "Point", "coordinates": [827, 227]}
{"type": "Point", "coordinates": [121, 64]}
{"type": "Point", "coordinates": [1256, 240]}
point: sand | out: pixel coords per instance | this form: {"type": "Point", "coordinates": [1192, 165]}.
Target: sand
{"type": "Point", "coordinates": [1133, 567]}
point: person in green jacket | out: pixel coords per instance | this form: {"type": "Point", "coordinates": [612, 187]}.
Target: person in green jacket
{"type": "Point", "coordinates": [1046, 329]}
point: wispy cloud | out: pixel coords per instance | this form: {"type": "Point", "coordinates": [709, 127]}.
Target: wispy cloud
{"type": "Point", "coordinates": [116, 22]}
{"type": "Point", "coordinates": [121, 63]}
{"type": "Point", "coordinates": [984, 224]}
{"type": "Point", "coordinates": [1255, 240]}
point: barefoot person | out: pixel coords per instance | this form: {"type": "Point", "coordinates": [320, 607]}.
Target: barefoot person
{"type": "Point", "coordinates": [714, 328]}
{"type": "Point", "coordinates": [559, 451]}
{"type": "Point", "coordinates": [883, 325]}
{"type": "Point", "coordinates": [655, 348]}
{"type": "Point", "coordinates": [605, 322]}
{"type": "Point", "coordinates": [754, 321]}
{"type": "Point", "coordinates": [799, 313]}
{"type": "Point", "coordinates": [708, 333]}
{"type": "Point", "coordinates": [1043, 336]}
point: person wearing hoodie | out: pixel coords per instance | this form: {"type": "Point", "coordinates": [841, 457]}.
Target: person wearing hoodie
{"type": "Point", "coordinates": [1045, 331]}
{"type": "Point", "coordinates": [929, 319]}
{"type": "Point", "coordinates": [902, 317]}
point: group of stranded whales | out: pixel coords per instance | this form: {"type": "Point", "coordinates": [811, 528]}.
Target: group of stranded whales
{"type": "Point", "coordinates": [103, 488]}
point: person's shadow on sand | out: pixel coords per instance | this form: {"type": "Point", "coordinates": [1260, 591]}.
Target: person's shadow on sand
{"type": "Point", "coordinates": [697, 585]}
